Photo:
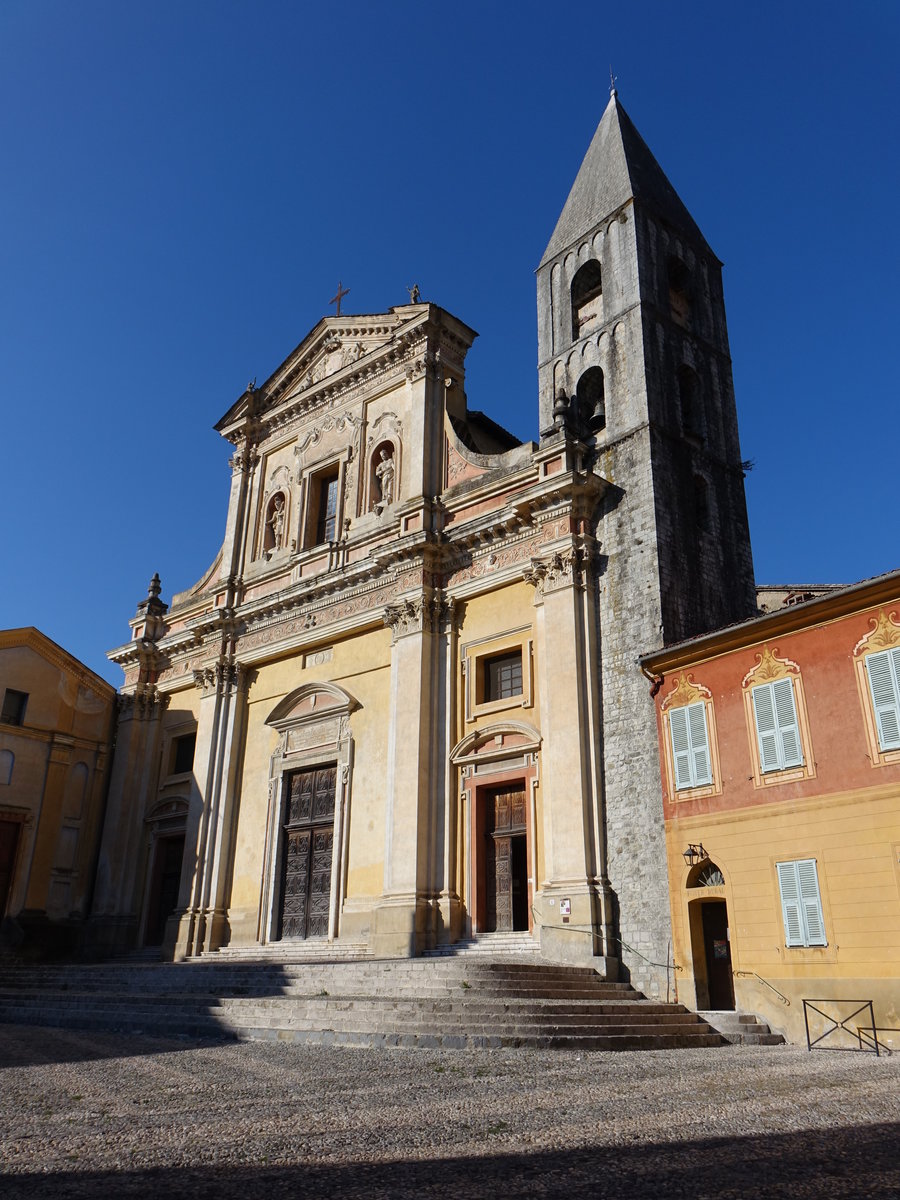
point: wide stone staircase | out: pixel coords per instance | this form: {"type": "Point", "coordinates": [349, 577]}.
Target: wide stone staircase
{"type": "Point", "coordinates": [472, 1001]}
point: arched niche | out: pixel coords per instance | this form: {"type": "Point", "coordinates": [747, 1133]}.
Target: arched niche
{"type": "Point", "coordinates": [384, 474]}
{"type": "Point", "coordinates": [275, 523]}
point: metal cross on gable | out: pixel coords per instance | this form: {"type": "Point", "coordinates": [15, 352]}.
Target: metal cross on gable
{"type": "Point", "coordinates": [338, 297]}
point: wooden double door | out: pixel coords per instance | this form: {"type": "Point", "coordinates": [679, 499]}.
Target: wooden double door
{"type": "Point", "coordinates": [307, 848]}
{"type": "Point", "coordinates": [506, 883]}
{"type": "Point", "coordinates": [9, 842]}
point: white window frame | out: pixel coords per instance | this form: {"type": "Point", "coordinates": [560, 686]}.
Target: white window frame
{"type": "Point", "coordinates": [689, 736]}
{"type": "Point", "coordinates": [884, 690]}
{"type": "Point", "coordinates": [801, 903]}
{"type": "Point", "coordinates": [779, 738]}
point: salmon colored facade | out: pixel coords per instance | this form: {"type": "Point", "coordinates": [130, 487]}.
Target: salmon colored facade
{"type": "Point", "coordinates": [780, 750]}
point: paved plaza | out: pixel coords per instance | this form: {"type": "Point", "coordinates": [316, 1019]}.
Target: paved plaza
{"type": "Point", "coordinates": [95, 1115]}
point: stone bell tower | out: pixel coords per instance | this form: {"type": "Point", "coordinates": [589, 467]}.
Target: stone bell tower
{"type": "Point", "coordinates": [633, 360]}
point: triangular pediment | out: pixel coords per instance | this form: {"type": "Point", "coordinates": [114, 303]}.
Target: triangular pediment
{"type": "Point", "coordinates": [334, 348]}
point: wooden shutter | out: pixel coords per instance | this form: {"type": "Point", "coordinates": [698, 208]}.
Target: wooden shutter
{"type": "Point", "coordinates": [789, 885]}
{"type": "Point", "coordinates": [690, 746]}
{"type": "Point", "coordinates": [777, 730]}
{"type": "Point", "coordinates": [788, 729]}
{"type": "Point", "coordinates": [811, 902]}
{"type": "Point", "coordinates": [766, 732]}
{"type": "Point", "coordinates": [884, 681]}
{"type": "Point", "coordinates": [681, 747]}
{"type": "Point", "coordinates": [696, 714]}
{"type": "Point", "coordinates": [801, 903]}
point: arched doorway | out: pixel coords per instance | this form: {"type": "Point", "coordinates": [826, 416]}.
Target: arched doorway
{"type": "Point", "coordinates": [710, 938]}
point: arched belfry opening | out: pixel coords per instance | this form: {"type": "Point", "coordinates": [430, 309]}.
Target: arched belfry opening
{"type": "Point", "coordinates": [679, 278]}
{"type": "Point", "coordinates": [587, 299]}
{"type": "Point", "coordinates": [693, 424]}
{"type": "Point", "coordinates": [590, 397]}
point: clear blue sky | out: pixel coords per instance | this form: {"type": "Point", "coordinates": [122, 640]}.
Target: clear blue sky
{"type": "Point", "coordinates": [184, 184]}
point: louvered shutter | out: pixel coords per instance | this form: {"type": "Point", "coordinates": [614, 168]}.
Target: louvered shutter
{"type": "Point", "coordinates": [811, 902]}
{"type": "Point", "coordinates": [696, 714]}
{"type": "Point", "coordinates": [788, 729]}
{"type": "Point", "coordinates": [884, 681]}
{"type": "Point", "coordinates": [789, 885]}
{"type": "Point", "coordinates": [681, 747]}
{"type": "Point", "coordinates": [766, 731]}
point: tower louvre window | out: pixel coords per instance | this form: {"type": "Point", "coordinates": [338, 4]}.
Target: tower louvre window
{"type": "Point", "coordinates": [587, 298]}
{"type": "Point", "coordinates": [679, 291]}
{"type": "Point", "coordinates": [692, 418]}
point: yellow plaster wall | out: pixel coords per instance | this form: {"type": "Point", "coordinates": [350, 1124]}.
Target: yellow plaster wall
{"type": "Point", "coordinates": [360, 665]}
{"type": "Point", "coordinates": [855, 839]}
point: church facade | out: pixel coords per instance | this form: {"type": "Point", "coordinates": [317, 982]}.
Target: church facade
{"type": "Point", "coordinates": [403, 705]}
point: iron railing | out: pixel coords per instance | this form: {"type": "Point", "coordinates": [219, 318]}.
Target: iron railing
{"type": "Point", "coordinates": [865, 1036]}
{"type": "Point", "coordinates": [746, 975]}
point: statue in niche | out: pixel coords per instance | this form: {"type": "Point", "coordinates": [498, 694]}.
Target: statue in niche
{"type": "Point", "coordinates": [276, 522]}
{"type": "Point", "coordinates": [384, 473]}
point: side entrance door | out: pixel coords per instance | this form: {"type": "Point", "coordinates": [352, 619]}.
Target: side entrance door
{"type": "Point", "coordinates": [9, 841]}
{"type": "Point", "coordinates": [308, 808]}
{"type": "Point", "coordinates": [718, 955]}
{"type": "Point", "coordinates": [507, 860]}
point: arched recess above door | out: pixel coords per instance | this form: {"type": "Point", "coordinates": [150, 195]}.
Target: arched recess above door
{"type": "Point", "coordinates": [311, 702]}
{"type": "Point", "coordinates": [503, 740]}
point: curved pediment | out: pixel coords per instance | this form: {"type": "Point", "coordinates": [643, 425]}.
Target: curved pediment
{"type": "Point", "coordinates": [311, 702]}
{"type": "Point", "coordinates": [501, 740]}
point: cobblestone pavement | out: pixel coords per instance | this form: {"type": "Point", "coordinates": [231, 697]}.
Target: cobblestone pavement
{"type": "Point", "coordinates": [90, 1115]}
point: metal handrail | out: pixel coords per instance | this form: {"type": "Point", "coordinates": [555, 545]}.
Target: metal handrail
{"type": "Point", "coordinates": [746, 975]}
{"type": "Point", "coordinates": [672, 966]}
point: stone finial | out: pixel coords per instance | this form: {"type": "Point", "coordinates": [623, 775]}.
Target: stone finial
{"type": "Point", "coordinates": [155, 587]}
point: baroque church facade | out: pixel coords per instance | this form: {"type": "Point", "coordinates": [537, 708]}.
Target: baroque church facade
{"type": "Point", "coordinates": [403, 705]}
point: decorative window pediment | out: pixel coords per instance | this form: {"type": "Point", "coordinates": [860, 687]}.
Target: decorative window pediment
{"type": "Point", "coordinates": [777, 720]}
{"type": "Point", "coordinates": [689, 731]}
{"type": "Point", "coordinates": [507, 739]}
{"type": "Point", "coordinates": [311, 702]}
{"type": "Point", "coordinates": [877, 663]}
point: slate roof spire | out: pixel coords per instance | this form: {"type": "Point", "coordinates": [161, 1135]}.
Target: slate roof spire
{"type": "Point", "coordinates": [618, 167]}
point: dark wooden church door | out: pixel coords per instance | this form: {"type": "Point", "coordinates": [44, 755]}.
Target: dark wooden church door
{"type": "Point", "coordinates": [308, 842]}
{"type": "Point", "coordinates": [507, 861]}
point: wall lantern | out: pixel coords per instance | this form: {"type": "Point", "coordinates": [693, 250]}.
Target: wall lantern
{"type": "Point", "coordinates": [694, 854]}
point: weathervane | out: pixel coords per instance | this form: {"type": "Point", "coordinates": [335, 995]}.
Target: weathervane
{"type": "Point", "coordinates": [612, 82]}
{"type": "Point", "coordinates": [336, 299]}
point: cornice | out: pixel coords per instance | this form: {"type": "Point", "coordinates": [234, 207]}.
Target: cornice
{"type": "Point", "coordinates": [821, 610]}
{"type": "Point", "coordinates": [47, 649]}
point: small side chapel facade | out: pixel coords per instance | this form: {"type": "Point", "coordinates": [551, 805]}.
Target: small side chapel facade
{"type": "Point", "coordinates": [402, 706]}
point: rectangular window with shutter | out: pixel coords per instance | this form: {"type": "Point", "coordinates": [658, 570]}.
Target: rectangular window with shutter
{"type": "Point", "coordinates": [777, 730]}
{"type": "Point", "coordinates": [884, 685]}
{"type": "Point", "coordinates": [690, 746]}
{"type": "Point", "coordinates": [801, 903]}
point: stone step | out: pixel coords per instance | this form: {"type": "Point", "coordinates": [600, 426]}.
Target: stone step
{"type": "Point", "coordinates": [378, 1002]}
{"type": "Point", "coordinates": [741, 1028]}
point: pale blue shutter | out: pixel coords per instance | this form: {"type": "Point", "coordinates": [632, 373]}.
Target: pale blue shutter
{"type": "Point", "coordinates": [766, 732]}
{"type": "Point", "coordinates": [789, 885]}
{"type": "Point", "coordinates": [884, 681]}
{"type": "Point", "coordinates": [811, 902]}
{"type": "Point", "coordinates": [681, 747]}
{"type": "Point", "coordinates": [786, 716]}
{"type": "Point", "coordinates": [696, 714]}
